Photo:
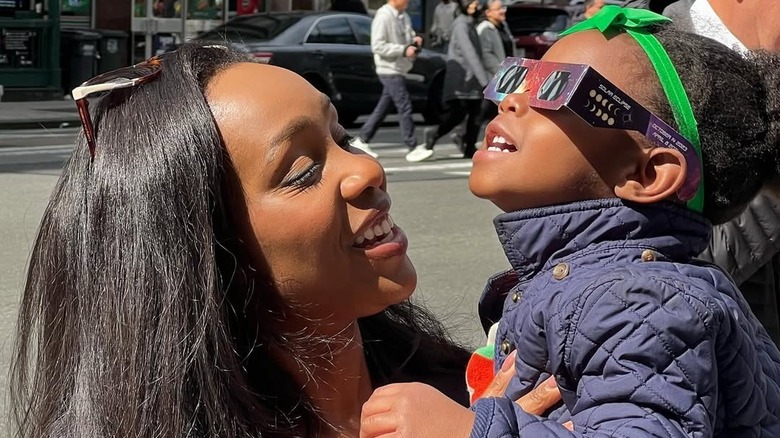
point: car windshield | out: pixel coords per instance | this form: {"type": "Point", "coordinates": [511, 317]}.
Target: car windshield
{"type": "Point", "coordinates": [529, 21]}
{"type": "Point", "coordinates": [253, 28]}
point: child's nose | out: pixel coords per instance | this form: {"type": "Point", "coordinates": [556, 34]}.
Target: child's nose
{"type": "Point", "coordinates": [515, 103]}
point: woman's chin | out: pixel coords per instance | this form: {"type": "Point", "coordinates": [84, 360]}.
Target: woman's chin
{"type": "Point", "coordinates": [399, 284]}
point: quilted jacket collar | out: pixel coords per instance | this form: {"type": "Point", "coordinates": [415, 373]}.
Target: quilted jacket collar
{"type": "Point", "coordinates": [533, 239]}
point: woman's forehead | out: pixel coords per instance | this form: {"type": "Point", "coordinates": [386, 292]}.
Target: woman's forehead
{"type": "Point", "coordinates": [251, 103]}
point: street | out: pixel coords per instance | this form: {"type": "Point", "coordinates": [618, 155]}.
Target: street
{"type": "Point", "coordinates": [451, 239]}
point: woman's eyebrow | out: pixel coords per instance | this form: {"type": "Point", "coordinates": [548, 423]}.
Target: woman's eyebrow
{"type": "Point", "coordinates": [295, 126]}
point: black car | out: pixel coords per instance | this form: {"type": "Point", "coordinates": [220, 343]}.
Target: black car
{"type": "Point", "coordinates": [535, 25]}
{"type": "Point", "coordinates": [332, 50]}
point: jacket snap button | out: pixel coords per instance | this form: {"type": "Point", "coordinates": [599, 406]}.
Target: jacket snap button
{"type": "Point", "coordinates": [648, 255]}
{"type": "Point", "coordinates": [560, 271]}
{"type": "Point", "coordinates": [505, 346]}
{"type": "Point", "coordinates": [515, 297]}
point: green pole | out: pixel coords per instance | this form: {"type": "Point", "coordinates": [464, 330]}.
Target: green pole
{"type": "Point", "coordinates": [54, 44]}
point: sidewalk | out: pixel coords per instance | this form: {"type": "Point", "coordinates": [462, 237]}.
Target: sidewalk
{"type": "Point", "coordinates": [37, 115]}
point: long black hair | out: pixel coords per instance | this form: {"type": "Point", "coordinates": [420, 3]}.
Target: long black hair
{"type": "Point", "coordinates": [136, 317]}
{"type": "Point", "coordinates": [736, 102]}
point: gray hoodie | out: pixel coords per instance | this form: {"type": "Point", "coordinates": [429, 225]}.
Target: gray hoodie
{"type": "Point", "coordinates": [391, 34]}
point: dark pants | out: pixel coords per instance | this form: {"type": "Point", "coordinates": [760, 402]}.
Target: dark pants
{"type": "Point", "coordinates": [489, 112]}
{"type": "Point", "coordinates": [460, 109]}
{"type": "Point", "coordinates": [394, 92]}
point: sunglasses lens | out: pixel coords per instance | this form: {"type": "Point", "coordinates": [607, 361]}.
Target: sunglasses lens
{"type": "Point", "coordinates": [511, 79]}
{"type": "Point", "coordinates": [554, 86]}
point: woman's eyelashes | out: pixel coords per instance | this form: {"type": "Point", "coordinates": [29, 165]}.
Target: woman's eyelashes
{"type": "Point", "coordinates": [312, 175]}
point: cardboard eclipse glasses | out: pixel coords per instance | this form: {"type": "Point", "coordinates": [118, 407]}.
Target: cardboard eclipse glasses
{"type": "Point", "coordinates": [584, 91]}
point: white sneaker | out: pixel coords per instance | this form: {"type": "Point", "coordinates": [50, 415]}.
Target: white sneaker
{"type": "Point", "coordinates": [358, 143]}
{"type": "Point", "coordinates": [419, 153]}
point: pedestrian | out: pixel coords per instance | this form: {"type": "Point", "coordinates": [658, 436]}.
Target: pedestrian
{"type": "Point", "coordinates": [228, 270]}
{"type": "Point", "coordinates": [463, 83]}
{"type": "Point", "coordinates": [441, 29]}
{"type": "Point", "coordinates": [747, 247]}
{"type": "Point", "coordinates": [395, 46]}
{"type": "Point", "coordinates": [490, 33]}
{"type": "Point", "coordinates": [612, 157]}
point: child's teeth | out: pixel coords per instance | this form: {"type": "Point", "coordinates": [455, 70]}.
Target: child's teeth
{"type": "Point", "coordinates": [505, 151]}
{"type": "Point", "coordinates": [359, 240]}
{"type": "Point", "coordinates": [378, 230]}
{"type": "Point", "coordinates": [368, 234]}
{"type": "Point", "coordinates": [385, 227]}
{"type": "Point", "coordinates": [390, 222]}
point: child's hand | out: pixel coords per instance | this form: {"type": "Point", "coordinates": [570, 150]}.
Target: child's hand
{"type": "Point", "coordinates": [408, 410]}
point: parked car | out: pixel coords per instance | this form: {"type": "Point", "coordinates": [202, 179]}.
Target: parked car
{"type": "Point", "coordinates": [536, 26]}
{"type": "Point", "coordinates": [333, 52]}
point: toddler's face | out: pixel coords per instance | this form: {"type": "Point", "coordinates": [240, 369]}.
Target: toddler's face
{"type": "Point", "coordinates": [554, 157]}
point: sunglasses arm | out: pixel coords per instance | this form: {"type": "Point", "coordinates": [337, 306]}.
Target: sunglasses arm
{"type": "Point", "coordinates": [85, 90]}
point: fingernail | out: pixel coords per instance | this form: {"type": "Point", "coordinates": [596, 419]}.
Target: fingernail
{"type": "Point", "coordinates": [509, 361]}
{"type": "Point", "coordinates": [551, 383]}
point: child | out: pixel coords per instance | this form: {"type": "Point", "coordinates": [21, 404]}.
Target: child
{"type": "Point", "coordinates": [611, 178]}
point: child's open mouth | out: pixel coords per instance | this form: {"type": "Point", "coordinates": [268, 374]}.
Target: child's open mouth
{"type": "Point", "coordinates": [499, 144]}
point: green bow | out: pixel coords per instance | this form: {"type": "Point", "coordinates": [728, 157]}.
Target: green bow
{"type": "Point", "coordinates": [612, 17]}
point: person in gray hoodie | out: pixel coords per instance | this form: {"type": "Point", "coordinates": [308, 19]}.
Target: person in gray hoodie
{"type": "Point", "coordinates": [464, 80]}
{"type": "Point", "coordinates": [394, 45]}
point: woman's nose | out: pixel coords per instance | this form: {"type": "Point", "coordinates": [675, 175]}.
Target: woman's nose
{"type": "Point", "coordinates": [362, 173]}
{"type": "Point", "coordinates": [515, 103]}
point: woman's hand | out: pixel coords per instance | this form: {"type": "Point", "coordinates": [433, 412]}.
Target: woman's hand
{"type": "Point", "coordinates": [536, 402]}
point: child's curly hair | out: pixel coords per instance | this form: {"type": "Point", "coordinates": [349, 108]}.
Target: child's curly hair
{"type": "Point", "coordinates": [736, 101]}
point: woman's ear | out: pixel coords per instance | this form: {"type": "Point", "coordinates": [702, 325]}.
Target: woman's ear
{"type": "Point", "coordinates": [659, 176]}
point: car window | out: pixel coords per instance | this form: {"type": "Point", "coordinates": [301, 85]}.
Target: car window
{"type": "Point", "coordinates": [531, 21]}
{"type": "Point", "coordinates": [363, 31]}
{"type": "Point", "coordinates": [251, 28]}
{"type": "Point", "coordinates": [332, 31]}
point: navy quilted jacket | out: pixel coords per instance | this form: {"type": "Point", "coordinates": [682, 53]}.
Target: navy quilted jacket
{"type": "Point", "coordinates": [644, 341]}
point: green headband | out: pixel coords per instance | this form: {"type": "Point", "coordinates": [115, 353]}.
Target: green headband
{"type": "Point", "coordinates": [635, 22]}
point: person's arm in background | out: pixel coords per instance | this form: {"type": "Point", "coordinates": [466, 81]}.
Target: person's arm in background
{"type": "Point", "coordinates": [489, 55]}
{"type": "Point", "coordinates": [749, 241]}
{"type": "Point", "coordinates": [380, 43]}
{"type": "Point", "coordinates": [460, 38]}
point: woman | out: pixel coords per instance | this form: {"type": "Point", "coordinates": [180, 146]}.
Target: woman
{"type": "Point", "coordinates": [228, 270]}
{"type": "Point", "coordinates": [464, 81]}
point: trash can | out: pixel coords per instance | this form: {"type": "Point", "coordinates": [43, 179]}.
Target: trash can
{"type": "Point", "coordinates": [78, 57]}
{"type": "Point", "coordinates": [113, 49]}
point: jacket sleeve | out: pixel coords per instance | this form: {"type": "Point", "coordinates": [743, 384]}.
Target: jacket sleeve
{"type": "Point", "coordinates": [637, 362]}
{"type": "Point", "coordinates": [750, 240]}
{"type": "Point", "coordinates": [460, 38]}
{"type": "Point", "coordinates": [489, 56]}
{"type": "Point", "coordinates": [380, 41]}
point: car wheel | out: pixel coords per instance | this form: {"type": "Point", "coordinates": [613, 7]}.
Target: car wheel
{"type": "Point", "coordinates": [434, 109]}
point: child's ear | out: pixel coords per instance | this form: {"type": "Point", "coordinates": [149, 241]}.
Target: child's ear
{"type": "Point", "coordinates": [659, 175]}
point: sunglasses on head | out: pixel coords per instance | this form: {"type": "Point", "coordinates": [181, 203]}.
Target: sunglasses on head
{"type": "Point", "coordinates": [589, 95]}
{"type": "Point", "coordinates": [125, 77]}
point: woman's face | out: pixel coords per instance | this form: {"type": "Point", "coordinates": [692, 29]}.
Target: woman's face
{"type": "Point", "coordinates": [308, 206]}
{"type": "Point", "coordinates": [471, 9]}
{"type": "Point", "coordinates": [555, 156]}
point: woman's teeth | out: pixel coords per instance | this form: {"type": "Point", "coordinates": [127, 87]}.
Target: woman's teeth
{"type": "Point", "coordinates": [499, 144]}
{"type": "Point", "coordinates": [378, 233]}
